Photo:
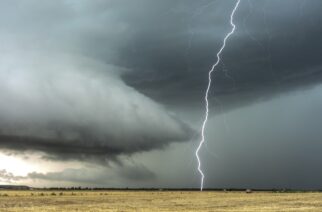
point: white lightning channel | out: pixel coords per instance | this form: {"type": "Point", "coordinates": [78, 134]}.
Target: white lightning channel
{"type": "Point", "coordinates": [207, 92]}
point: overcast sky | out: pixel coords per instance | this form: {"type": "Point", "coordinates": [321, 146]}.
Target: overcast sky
{"type": "Point", "coordinates": [110, 93]}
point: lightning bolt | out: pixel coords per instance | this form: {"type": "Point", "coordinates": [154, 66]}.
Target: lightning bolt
{"type": "Point", "coordinates": [207, 92]}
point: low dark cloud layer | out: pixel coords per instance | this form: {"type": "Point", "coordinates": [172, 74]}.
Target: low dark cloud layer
{"type": "Point", "coordinates": [71, 110]}
{"type": "Point", "coordinates": [130, 173]}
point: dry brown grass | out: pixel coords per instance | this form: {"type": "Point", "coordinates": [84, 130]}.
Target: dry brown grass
{"type": "Point", "coordinates": [157, 201]}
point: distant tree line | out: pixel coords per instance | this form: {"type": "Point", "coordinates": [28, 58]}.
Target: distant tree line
{"type": "Point", "coordinates": [80, 188]}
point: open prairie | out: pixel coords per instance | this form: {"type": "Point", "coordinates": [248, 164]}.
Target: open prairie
{"type": "Point", "coordinates": [157, 201]}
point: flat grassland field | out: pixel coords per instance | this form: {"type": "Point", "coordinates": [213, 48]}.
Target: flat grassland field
{"type": "Point", "coordinates": [157, 201]}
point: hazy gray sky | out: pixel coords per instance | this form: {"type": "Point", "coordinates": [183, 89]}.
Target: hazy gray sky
{"type": "Point", "coordinates": [110, 93]}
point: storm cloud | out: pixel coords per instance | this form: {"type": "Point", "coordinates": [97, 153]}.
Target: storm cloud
{"type": "Point", "coordinates": [58, 100]}
{"type": "Point", "coordinates": [274, 50]}
{"type": "Point", "coordinates": [68, 107]}
{"type": "Point", "coordinates": [99, 80]}
{"type": "Point", "coordinates": [169, 46]}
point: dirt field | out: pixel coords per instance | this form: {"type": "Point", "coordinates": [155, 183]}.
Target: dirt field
{"type": "Point", "coordinates": [157, 201]}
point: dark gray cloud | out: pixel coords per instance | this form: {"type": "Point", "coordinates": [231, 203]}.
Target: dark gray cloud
{"type": "Point", "coordinates": [267, 145]}
{"type": "Point", "coordinates": [58, 98]}
{"type": "Point", "coordinates": [274, 46]}
{"type": "Point", "coordinates": [94, 80]}
{"type": "Point", "coordinates": [70, 175]}
{"type": "Point", "coordinates": [136, 173]}
{"type": "Point", "coordinates": [169, 46]}
{"type": "Point", "coordinates": [71, 110]}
